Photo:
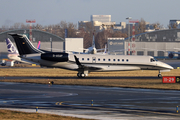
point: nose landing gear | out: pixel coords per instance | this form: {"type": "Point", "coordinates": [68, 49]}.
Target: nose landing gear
{"type": "Point", "coordinates": [159, 75]}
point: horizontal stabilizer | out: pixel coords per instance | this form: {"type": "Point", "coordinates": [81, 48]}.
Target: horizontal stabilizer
{"type": "Point", "coordinates": [24, 45]}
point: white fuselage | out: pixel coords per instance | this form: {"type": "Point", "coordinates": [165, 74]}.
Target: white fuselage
{"type": "Point", "coordinates": [103, 62]}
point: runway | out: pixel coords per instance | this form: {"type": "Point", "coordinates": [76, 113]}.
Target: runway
{"type": "Point", "coordinates": [108, 102]}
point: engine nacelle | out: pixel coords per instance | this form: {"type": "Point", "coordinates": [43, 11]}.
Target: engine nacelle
{"type": "Point", "coordinates": [170, 55]}
{"type": "Point", "coordinates": [55, 56]}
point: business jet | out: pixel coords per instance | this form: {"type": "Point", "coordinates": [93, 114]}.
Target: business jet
{"type": "Point", "coordinates": [86, 63]}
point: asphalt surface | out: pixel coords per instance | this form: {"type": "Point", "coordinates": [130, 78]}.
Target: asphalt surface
{"type": "Point", "coordinates": [108, 102]}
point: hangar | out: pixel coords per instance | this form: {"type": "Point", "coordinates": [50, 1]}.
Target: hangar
{"type": "Point", "coordinates": [155, 43]}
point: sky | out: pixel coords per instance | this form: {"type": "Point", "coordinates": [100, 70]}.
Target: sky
{"type": "Point", "coordinates": [49, 12]}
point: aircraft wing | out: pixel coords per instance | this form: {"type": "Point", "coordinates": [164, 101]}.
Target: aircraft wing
{"type": "Point", "coordinates": [88, 67]}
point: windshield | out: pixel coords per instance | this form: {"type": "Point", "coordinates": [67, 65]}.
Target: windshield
{"type": "Point", "coordinates": [153, 60]}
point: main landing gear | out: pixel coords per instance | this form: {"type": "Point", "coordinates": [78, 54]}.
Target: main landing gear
{"type": "Point", "coordinates": [82, 73]}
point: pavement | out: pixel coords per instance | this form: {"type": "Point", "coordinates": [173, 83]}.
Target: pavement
{"type": "Point", "coordinates": [91, 102]}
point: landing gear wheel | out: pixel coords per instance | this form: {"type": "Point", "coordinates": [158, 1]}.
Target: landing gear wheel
{"type": "Point", "coordinates": [81, 75]}
{"type": "Point", "coordinates": [159, 76]}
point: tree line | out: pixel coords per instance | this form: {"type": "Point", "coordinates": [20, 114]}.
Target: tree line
{"type": "Point", "coordinates": [86, 33]}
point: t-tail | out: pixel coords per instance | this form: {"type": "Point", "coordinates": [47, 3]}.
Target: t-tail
{"type": "Point", "coordinates": [11, 48]}
{"type": "Point", "coordinates": [24, 45]}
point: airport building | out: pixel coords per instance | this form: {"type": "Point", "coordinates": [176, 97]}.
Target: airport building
{"type": "Point", "coordinates": [101, 22]}
{"type": "Point", "coordinates": [155, 43]}
{"type": "Point", "coordinates": [174, 24]}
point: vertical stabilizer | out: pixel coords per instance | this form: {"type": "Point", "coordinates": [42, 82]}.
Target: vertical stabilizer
{"type": "Point", "coordinates": [11, 48]}
{"type": "Point", "coordinates": [24, 45]}
{"type": "Point", "coordinates": [39, 45]}
{"type": "Point", "coordinates": [105, 49]}
{"type": "Point", "coordinates": [93, 42]}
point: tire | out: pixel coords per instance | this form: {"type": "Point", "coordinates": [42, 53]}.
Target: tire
{"type": "Point", "coordinates": [159, 76]}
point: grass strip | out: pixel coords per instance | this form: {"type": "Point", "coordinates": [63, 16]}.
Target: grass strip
{"type": "Point", "coordinates": [16, 115]}
{"type": "Point", "coordinates": [125, 83]}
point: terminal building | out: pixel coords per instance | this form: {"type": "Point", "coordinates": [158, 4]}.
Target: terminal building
{"type": "Point", "coordinates": [155, 43]}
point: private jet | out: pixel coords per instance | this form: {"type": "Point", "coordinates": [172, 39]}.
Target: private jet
{"type": "Point", "coordinates": [86, 63]}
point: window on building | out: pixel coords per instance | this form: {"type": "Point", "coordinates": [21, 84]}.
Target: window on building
{"type": "Point", "coordinates": [151, 53]}
{"type": "Point", "coordinates": [140, 52]}
{"type": "Point", "coordinates": [160, 54]}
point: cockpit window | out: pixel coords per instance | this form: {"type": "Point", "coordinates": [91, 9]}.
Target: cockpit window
{"type": "Point", "coordinates": [153, 60]}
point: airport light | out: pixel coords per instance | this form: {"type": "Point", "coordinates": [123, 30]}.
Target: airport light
{"type": "Point", "coordinates": [128, 18]}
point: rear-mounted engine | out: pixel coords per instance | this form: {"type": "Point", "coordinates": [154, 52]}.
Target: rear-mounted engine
{"type": "Point", "coordinates": [55, 56]}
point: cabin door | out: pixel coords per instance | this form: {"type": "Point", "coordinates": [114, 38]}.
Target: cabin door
{"type": "Point", "coordinates": [93, 59]}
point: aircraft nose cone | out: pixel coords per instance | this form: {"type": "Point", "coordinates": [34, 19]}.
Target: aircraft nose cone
{"type": "Point", "coordinates": [166, 66]}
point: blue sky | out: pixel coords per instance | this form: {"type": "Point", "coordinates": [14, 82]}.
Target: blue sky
{"type": "Point", "coordinates": [47, 12]}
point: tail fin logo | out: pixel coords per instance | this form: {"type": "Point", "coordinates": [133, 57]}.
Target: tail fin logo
{"type": "Point", "coordinates": [10, 47]}
{"type": "Point", "coordinates": [39, 45]}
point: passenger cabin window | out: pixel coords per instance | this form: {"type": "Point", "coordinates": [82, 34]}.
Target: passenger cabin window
{"type": "Point", "coordinates": [114, 59]}
{"type": "Point", "coordinates": [123, 60]}
{"type": "Point", "coordinates": [99, 59]}
{"type": "Point", "coordinates": [118, 59]}
{"type": "Point", "coordinates": [104, 60]}
{"type": "Point", "coordinates": [109, 59]}
{"type": "Point", "coordinates": [127, 60]}
{"type": "Point", "coordinates": [88, 59]}
{"type": "Point", "coordinates": [82, 58]}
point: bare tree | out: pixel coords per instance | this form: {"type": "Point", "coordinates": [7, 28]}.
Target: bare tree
{"type": "Point", "coordinates": [157, 25]}
{"type": "Point", "coordinates": [141, 27]}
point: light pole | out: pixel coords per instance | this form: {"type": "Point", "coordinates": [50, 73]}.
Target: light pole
{"type": "Point", "coordinates": [128, 18]}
